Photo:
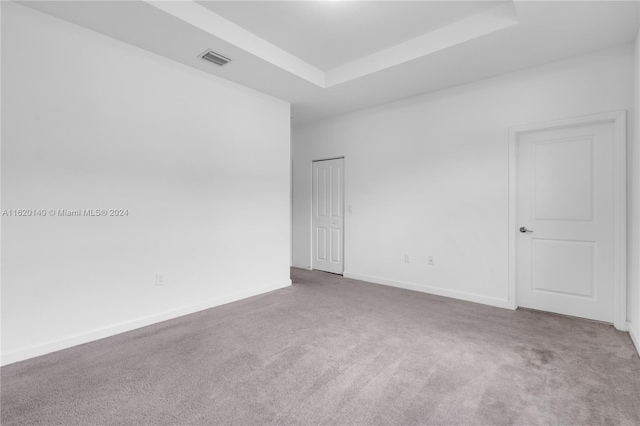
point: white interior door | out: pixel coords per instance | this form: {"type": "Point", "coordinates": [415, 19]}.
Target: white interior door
{"type": "Point", "coordinates": [328, 215]}
{"type": "Point", "coordinates": [565, 216]}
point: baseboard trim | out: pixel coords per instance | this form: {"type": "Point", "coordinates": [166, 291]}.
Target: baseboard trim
{"type": "Point", "coordinates": [78, 339]}
{"type": "Point", "coordinates": [469, 297]}
{"type": "Point", "coordinates": [634, 337]}
{"type": "Point", "coordinates": [299, 266]}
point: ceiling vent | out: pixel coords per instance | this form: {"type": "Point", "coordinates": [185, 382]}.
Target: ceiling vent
{"type": "Point", "coordinates": [214, 57]}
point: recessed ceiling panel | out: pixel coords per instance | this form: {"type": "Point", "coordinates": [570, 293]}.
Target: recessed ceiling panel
{"type": "Point", "coordinates": [327, 34]}
{"type": "Point", "coordinates": [547, 31]}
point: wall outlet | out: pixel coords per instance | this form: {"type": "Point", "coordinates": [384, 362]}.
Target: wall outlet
{"type": "Point", "coordinates": [350, 208]}
{"type": "Point", "coordinates": [160, 279]}
{"type": "Point", "coordinates": [407, 258]}
{"type": "Point", "coordinates": [430, 260]}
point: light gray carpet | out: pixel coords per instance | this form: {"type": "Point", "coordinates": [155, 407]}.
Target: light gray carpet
{"type": "Point", "coordinates": [330, 350]}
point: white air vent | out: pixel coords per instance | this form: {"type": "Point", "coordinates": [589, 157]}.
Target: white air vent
{"type": "Point", "coordinates": [214, 57]}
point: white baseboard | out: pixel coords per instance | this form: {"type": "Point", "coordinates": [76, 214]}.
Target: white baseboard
{"type": "Point", "coordinates": [296, 265]}
{"type": "Point", "coordinates": [634, 337]}
{"type": "Point", "coordinates": [101, 333]}
{"type": "Point", "coordinates": [461, 295]}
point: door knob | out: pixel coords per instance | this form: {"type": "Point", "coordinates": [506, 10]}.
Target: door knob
{"type": "Point", "coordinates": [524, 229]}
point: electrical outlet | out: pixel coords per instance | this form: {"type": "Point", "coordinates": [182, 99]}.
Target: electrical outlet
{"type": "Point", "coordinates": [430, 260]}
{"type": "Point", "coordinates": [350, 208]}
{"type": "Point", "coordinates": [159, 279]}
{"type": "Point", "coordinates": [407, 258]}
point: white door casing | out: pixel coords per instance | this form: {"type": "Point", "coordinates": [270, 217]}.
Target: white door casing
{"type": "Point", "coordinates": [327, 215]}
{"type": "Point", "coordinates": [568, 186]}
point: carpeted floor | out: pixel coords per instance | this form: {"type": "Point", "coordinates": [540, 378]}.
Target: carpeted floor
{"type": "Point", "coordinates": [331, 350]}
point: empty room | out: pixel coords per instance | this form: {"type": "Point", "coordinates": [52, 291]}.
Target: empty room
{"type": "Point", "coordinates": [325, 212]}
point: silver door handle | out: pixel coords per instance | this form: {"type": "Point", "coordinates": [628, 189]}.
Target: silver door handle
{"type": "Point", "coordinates": [524, 229]}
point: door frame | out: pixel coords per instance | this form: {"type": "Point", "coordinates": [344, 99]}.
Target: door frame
{"type": "Point", "coordinates": [344, 218]}
{"type": "Point", "coordinates": [618, 119]}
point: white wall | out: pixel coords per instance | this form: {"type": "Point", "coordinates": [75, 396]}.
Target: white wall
{"type": "Point", "coordinates": [428, 176]}
{"type": "Point", "coordinates": [201, 164]}
{"type": "Point", "coordinates": [633, 299]}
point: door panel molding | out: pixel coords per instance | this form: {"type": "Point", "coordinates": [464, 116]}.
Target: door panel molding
{"type": "Point", "coordinates": [330, 219]}
{"type": "Point", "coordinates": [618, 119]}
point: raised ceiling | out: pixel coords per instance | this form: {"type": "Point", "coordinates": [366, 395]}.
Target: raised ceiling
{"type": "Point", "coordinates": [327, 34]}
{"type": "Point", "coordinates": [329, 58]}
